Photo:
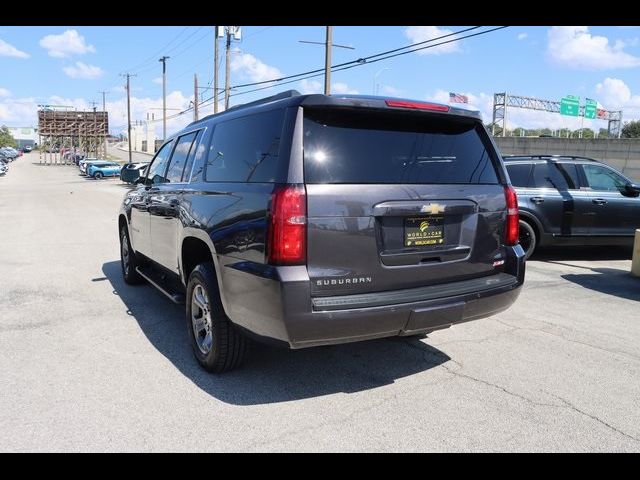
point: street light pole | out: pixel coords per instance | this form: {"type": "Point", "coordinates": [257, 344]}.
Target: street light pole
{"type": "Point", "coordinates": [164, 96]}
{"type": "Point", "coordinates": [375, 80]}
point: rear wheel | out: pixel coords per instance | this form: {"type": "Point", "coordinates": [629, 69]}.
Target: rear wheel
{"type": "Point", "coordinates": [216, 343]}
{"type": "Point", "coordinates": [527, 238]}
{"type": "Point", "coordinates": [98, 175]}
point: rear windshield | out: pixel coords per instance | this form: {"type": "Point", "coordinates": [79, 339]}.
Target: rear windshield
{"type": "Point", "coordinates": [378, 147]}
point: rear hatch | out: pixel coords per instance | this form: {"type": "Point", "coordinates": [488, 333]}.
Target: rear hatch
{"type": "Point", "coordinates": [399, 199]}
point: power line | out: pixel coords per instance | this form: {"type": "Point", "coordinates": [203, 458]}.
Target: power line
{"type": "Point", "coordinates": [360, 60]}
{"type": "Point", "coordinates": [357, 63]}
{"type": "Point", "coordinates": [348, 65]}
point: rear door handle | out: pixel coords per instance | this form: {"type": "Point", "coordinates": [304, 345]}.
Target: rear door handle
{"type": "Point", "coordinates": [599, 201]}
{"type": "Point", "coordinates": [537, 200]}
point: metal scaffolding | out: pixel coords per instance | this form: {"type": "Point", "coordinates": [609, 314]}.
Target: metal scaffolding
{"type": "Point", "coordinates": [503, 100]}
{"type": "Point", "coordinates": [59, 127]}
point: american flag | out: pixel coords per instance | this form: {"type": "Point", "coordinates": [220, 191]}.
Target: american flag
{"type": "Point", "coordinates": [601, 113]}
{"type": "Point", "coordinates": [458, 98]}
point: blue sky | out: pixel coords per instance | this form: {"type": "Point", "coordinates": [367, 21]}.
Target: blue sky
{"type": "Point", "coordinates": [70, 65]}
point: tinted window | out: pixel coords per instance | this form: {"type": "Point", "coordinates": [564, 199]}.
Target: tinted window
{"type": "Point", "coordinates": [179, 157]}
{"type": "Point", "coordinates": [246, 149]}
{"type": "Point", "coordinates": [519, 174]}
{"type": "Point", "coordinates": [195, 148]}
{"type": "Point", "coordinates": [601, 178]}
{"type": "Point", "coordinates": [368, 147]}
{"type": "Point", "coordinates": [158, 166]}
{"type": "Point", "coordinates": [555, 175]}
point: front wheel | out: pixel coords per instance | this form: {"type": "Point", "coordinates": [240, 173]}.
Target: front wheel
{"type": "Point", "coordinates": [527, 238]}
{"type": "Point", "coordinates": [128, 260]}
{"type": "Point", "coordinates": [98, 175]}
{"type": "Point", "coordinates": [217, 344]}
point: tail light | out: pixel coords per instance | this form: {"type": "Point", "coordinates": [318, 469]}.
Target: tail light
{"type": "Point", "coordinates": [435, 107]}
{"type": "Point", "coordinates": [511, 227]}
{"type": "Point", "coordinates": [287, 226]}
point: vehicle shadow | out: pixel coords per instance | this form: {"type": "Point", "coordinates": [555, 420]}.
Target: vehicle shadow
{"type": "Point", "coordinates": [612, 281]}
{"type": "Point", "coordinates": [272, 375]}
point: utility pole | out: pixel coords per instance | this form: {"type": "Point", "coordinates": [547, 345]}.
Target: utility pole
{"type": "Point", "coordinates": [128, 75]}
{"type": "Point", "coordinates": [327, 61]}
{"type": "Point", "coordinates": [104, 109]}
{"type": "Point", "coordinates": [195, 96]}
{"type": "Point", "coordinates": [215, 70]}
{"type": "Point", "coordinates": [164, 96]}
{"type": "Point", "coordinates": [227, 69]}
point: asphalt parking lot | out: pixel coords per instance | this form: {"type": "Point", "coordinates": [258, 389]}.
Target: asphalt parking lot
{"type": "Point", "coordinates": [92, 364]}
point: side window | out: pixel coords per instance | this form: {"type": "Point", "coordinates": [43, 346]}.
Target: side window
{"type": "Point", "coordinates": [155, 172]}
{"type": "Point", "coordinates": [519, 174]}
{"type": "Point", "coordinates": [552, 175]}
{"type": "Point", "coordinates": [570, 173]}
{"type": "Point", "coordinates": [603, 179]}
{"type": "Point", "coordinates": [179, 157]}
{"type": "Point", "coordinates": [195, 148]}
{"type": "Point", "coordinates": [246, 149]}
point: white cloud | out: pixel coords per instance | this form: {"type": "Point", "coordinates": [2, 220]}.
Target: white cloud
{"type": "Point", "coordinates": [253, 68]}
{"type": "Point", "coordinates": [310, 86]}
{"type": "Point", "coordinates": [522, 36]}
{"type": "Point", "coordinates": [343, 88]}
{"type": "Point", "coordinates": [8, 50]}
{"type": "Point", "coordinates": [389, 90]}
{"type": "Point", "coordinates": [68, 43]}
{"type": "Point", "coordinates": [307, 87]}
{"type": "Point", "coordinates": [84, 71]}
{"type": "Point", "coordinates": [4, 92]}
{"type": "Point", "coordinates": [157, 80]}
{"type": "Point", "coordinates": [575, 47]}
{"type": "Point", "coordinates": [420, 34]}
{"type": "Point", "coordinates": [613, 92]}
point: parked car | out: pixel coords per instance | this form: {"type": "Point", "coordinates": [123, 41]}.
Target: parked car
{"type": "Point", "coordinates": [99, 170]}
{"type": "Point", "coordinates": [28, 148]}
{"type": "Point", "coordinates": [9, 152]}
{"type": "Point", "coordinates": [3, 168]}
{"type": "Point", "coordinates": [308, 220]}
{"type": "Point", "coordinates": [566, 200]}
{"type": "Point", "coordinates": [132, 171]}
{"type": "Point", "coordinates": [84, 164]}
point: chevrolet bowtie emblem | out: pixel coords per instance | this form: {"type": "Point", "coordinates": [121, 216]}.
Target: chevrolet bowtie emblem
{"type": "Point", "coordinates": [432, 208]}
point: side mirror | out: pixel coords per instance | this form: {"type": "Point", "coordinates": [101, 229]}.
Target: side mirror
{"type": "Point", "coordinates": [631, 190]}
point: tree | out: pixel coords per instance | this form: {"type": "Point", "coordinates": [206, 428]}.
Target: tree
{"type": "Point", "coordinates": [631, 129]}
{"type": "Point", "coordinates": [603, 133]}
{"type": "Point", "coordinates": [6, 139]}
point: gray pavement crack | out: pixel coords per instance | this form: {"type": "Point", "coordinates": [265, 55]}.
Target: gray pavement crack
{"type": "Point", "coordinates": [571, 406]}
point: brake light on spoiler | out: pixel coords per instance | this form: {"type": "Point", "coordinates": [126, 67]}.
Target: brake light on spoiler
{"type": "Point", "coordinates": [434, 107]}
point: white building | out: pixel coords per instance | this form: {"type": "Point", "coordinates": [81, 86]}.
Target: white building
{"type": "Point", "coordinates": [143, 137]}
{"type": "Point", "coordinates": [25, 135]}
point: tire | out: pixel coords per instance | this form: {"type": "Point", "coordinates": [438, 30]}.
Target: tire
{"type": "Point", "coordinates": [98, 175]}
{"type": "Point", "coordinates": [128, 260]}
{"type": "Point", "coordinates": [527, 238]}
{"type": "Point", "coordinates": [217, 345]}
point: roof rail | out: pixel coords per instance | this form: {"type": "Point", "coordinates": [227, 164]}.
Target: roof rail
{"type": "Point", "coordinates": [572, 157]}
{"type": "Point", "coordinates": [272, 98]}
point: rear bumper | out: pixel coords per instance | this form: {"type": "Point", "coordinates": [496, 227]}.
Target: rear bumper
{"type": "Point", "coordinates": [303, 321]}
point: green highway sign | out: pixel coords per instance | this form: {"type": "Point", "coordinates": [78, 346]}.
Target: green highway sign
{"type": "Point", "coordinates": [590, 108]}
{"type": "Point", "coordinates": [570, 106]}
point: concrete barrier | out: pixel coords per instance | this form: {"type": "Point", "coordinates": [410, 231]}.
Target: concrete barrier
{"type": "Point", "coordinates": [621, 153]}
{"type": "Point", "coordinates": [635, 260]}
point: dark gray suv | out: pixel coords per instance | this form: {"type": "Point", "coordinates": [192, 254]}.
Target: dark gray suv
{"type": "Point", "coordinates": [306, 220]}
{"type": "Point", "coordinates": [573, 201]}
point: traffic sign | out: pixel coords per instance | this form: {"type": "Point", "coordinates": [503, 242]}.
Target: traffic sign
{"type": "Point", "coordinates": [590, 108]}
{"type": "Point", "coordinates": [570, 106]}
